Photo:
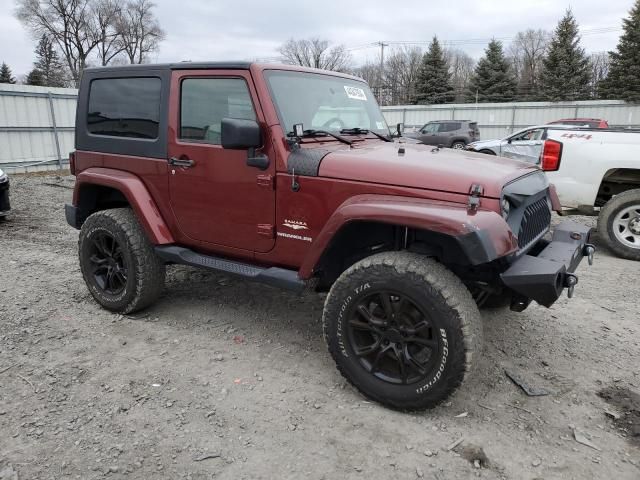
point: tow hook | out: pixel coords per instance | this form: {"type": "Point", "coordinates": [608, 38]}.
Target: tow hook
{"type": "Point", "coordinates": [588, 252]}
{"type": "Point", "coordinates": [570, 282]}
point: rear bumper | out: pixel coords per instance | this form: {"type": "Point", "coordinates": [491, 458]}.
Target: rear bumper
{"type": "Point", "coordinates": [5, 205]}
{"type": "Point", "coordinates": [544, 276]}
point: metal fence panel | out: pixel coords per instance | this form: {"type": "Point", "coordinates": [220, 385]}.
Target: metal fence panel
{"type": "Point", "coordinates": [497, 120]}
{"type": "Point", "coordinates": [36, 126]}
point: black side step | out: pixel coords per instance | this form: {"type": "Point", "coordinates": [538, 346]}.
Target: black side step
{"type": "Point", "coordinates": [278, 277]}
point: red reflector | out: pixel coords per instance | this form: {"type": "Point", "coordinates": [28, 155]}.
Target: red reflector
{"type": "Point", "coordinates": [72, 163]}
{"type": "Point", "coordinates": [551, 154]}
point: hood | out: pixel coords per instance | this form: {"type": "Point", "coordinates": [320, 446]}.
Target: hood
{"type": "Point", "coordinates": [423, 166]}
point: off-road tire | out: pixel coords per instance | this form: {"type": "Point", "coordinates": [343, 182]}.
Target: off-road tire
{"type": "Point", "coordinates": [145, 271]}
{"type": "Point", "coordinates": [606, 220]}
{"type": "Point", "coordinates": [430, 286]}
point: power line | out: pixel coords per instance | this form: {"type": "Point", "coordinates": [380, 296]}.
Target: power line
{"type": "Point", "coordinates": [475, 41]}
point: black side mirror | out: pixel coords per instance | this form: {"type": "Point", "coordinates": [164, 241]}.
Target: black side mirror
{"type": "Point", "coordinates": [239, 134]}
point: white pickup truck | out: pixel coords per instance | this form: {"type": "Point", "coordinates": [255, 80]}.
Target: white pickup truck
{"type": "Point", "coordinates": [595, 172]}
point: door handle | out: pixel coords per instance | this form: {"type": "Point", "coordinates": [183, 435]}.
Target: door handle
{"type": "Point", "coordinates": [178, 162]}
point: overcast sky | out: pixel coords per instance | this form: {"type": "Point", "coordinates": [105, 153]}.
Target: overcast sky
{"type": "Point", "coordinates": [247, 30]}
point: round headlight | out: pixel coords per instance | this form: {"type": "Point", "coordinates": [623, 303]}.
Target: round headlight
{"type": "Point", "coordinates": [506, 207]}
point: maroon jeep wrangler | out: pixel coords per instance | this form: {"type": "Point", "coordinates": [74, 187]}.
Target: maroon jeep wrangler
{"type": "Point", "coordinates": [288, 176]}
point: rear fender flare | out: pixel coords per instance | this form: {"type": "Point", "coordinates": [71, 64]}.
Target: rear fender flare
{"type": "Point", "coordinates": [136, 194]}
{"type": "Point", "coordinates": [483, 235]}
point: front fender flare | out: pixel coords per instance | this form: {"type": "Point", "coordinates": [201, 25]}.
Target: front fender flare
{"type": "Point", "coordinates": [482, 234]}
{"type": "Point", "coordinates": [136, 194]}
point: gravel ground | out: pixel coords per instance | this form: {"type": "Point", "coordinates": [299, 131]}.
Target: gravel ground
{"type": "Point", "coordinates": [228, 379]}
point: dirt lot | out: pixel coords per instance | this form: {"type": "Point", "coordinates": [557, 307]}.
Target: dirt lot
{"type": "Point", "coordinates": [227, 379]}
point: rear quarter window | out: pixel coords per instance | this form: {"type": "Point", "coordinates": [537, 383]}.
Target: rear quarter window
{"type": "Point", "coordinates": [124, 107]}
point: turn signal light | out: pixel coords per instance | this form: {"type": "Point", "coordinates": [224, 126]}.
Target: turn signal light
{"type": "Point", "coordinates": [551, 155]}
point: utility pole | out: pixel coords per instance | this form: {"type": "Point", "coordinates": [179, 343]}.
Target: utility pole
{"type": "Point", "coordinates": [381, 76]}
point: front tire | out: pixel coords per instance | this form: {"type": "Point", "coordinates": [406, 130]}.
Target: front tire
{"type": "Point", "coordinates": [402, 329]}
{"type": "Point", "coordinates": [619, 224]}
{"type": "Point", "coordinates": [118, 263]}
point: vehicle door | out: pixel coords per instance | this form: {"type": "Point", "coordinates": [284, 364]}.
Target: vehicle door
{"type": "Point", "coordinates": [429, 134]}
{"type": "Point", "coordinates": [525, 146]}
{"type": "Point", "coordinates": [447, 132]}
{"type": "Point", "coordinates": [215, 196]}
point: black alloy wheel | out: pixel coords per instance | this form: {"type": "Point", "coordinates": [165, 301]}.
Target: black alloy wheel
{"type": "Point", "coordinates": [107, 263]}
{"type": "Point", "coordinates": [393, 338]}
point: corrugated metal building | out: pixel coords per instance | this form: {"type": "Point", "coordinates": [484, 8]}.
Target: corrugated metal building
{"type": "Point", "coordinates": [36, 126]}
{"type": "Point", "coordinates": [497, 120]}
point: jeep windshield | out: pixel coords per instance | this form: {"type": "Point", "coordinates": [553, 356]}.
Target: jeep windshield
{"type": "Point", "coordinates": [325, 103]}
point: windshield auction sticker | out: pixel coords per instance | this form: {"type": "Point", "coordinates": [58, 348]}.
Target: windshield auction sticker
{"type": "Point", "coordinates": [355, 93]}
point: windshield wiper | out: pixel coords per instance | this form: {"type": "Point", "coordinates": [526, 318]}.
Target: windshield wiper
{"type": "Point", "coordinates": [364, 131]}
{"type": "Point", "coordinates": [321, 133]}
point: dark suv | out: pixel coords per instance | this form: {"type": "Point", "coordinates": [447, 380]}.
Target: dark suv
{"type": "Point", "coordinates": [288, 176]}
{"type": "Point", "coordinates": [454, 134]}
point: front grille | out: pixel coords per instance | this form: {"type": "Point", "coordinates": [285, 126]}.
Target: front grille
{"type": "Point", "coordinates": [535, 222]}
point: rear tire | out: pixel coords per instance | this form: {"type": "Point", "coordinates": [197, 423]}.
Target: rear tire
{"type": "Point", "coordinates": [118, 263]}
{"type": "Point", "coordinates": [619, 224]}
{"type": "Point", "coordinates": [402, 329]}
{"type": "Point", "coordinates": [458, 145]}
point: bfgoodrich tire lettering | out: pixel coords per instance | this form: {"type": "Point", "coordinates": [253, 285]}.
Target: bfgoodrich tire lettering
{"type": "Point", "coordinates": [411, 288]}
{"type": "Point", "coordinates": [619, 224]}
{"type": "Point", "coordinates": [118, 263]}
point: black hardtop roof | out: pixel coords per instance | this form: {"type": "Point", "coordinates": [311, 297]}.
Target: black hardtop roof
{"type": "Point", "coordinates": [139, 70]}
{"type": "Point", "coordinates": [230, 65]}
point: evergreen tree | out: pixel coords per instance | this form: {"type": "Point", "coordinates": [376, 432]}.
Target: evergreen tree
{"type": "Point", "coordinates": [35, 78]}
{"type": "Point", "coordinates": [492, 80]}
{"type": "Point", "coordinates": [566, 69]}
{"type": "Point", "coordinates": [48, 63]}
{"type": "Point", "coordinates": [433, 84]}
{"type": "Point", "coordinates": [5, 74]}
{"type": "Point", "coordinates": [623, 80]}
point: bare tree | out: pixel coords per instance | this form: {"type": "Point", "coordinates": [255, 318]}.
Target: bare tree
{"type": "Point", "coordinates": [526, 53]}
{"type": "Point", "coordinates": [139, 30]}
{"type": "Point", "coordinates": [600, 62]}
{"type": "Point", "coordinates": [401, 72]}
{"type": "Point", "coordinates": [68, 23]}
{"type": "Point", "coordinates": [106, 14]}
{"type": "Point", "coordinates": [461, 67]}
{"type": "Point", "coordinates": [315, 53]}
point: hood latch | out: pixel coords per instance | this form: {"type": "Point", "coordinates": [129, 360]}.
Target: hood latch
{"type": "Point", "coordinates": [475, 193]}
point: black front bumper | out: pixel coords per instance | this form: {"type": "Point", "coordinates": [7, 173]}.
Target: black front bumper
{"type": "Point", "coordinates": [542, 276]}
{"type": "Point", "coordinates": [5, 206]}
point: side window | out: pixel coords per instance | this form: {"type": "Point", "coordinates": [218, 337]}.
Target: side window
{"type": "Point", "coordinates": [204, 102]}
{"type": "Point", "coordinates": [535, 134]}
{"type": "Point", "coordinates": [124, 107]}
{"type": "Point", "coordinates": [449, 127]}
{"type": "Point", "coordinates": [431, 128]}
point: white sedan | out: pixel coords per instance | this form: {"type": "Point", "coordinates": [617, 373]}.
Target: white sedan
{"type": "Point", "coordinates": [524, 145]}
